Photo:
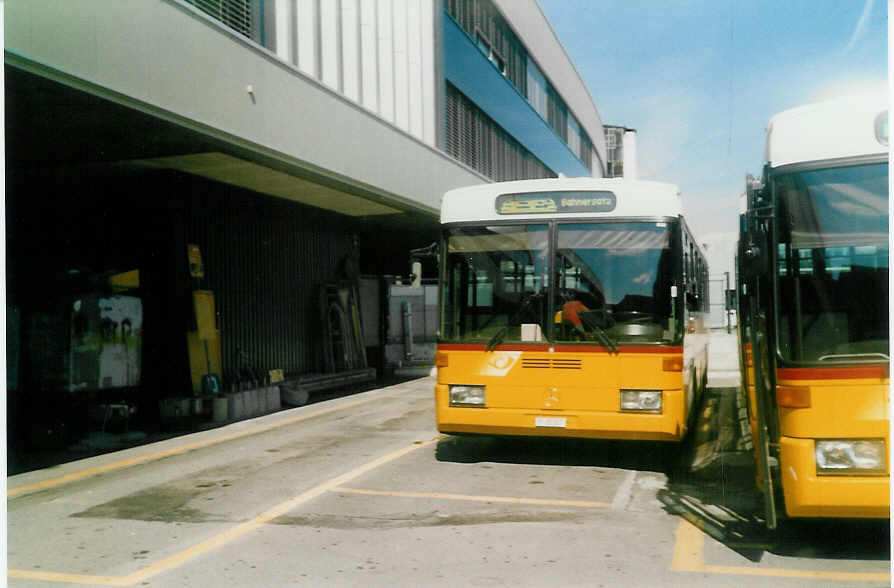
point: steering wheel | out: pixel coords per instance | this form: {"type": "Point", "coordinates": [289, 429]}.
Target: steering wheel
{"type": "Point", "coordinates": [634, 316]}
{"type": "Point", "coordinates": [527, 302]}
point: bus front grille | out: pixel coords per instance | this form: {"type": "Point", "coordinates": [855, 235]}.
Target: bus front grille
{"type": "Point", "coordinates": [536, 363]}
{"type": "Point", "coordinates": [546, 363]}
{"type": "Point", "coordinates": [567, 364]}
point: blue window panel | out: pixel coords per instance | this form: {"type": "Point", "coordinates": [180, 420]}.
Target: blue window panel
{"type": "Point", "coordinates": [473, 75]}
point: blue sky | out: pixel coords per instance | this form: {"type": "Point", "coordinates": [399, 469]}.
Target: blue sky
{"type": "Point", "coordinates": [698, 80]}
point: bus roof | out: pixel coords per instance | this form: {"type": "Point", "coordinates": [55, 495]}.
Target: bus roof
{"type": "Point", "coordinates": [631, 198]}
{"type": "Point", "coordinates": [847, 127]}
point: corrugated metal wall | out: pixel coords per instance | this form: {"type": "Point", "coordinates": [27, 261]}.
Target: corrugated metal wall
{"type": "Point", "coordinates": [265, 259]}
{"type": "Point", "coordinates": [379, 54]}
{"type": "Point", "coordinates": [477, 140]}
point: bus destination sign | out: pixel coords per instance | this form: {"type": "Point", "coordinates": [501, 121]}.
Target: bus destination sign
{"type": "Point", "coordinates": [555, 202]}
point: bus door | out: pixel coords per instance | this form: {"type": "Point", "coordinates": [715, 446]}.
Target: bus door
{"type": "Point", "coordinates": [754, 257]}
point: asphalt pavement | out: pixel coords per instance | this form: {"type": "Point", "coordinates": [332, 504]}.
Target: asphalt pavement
{"type": "Point", "coordinates": [361, 490]}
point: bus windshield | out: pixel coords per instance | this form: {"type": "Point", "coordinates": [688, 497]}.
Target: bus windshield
{"type": "Point", "coordinates": [832, 264]}
{"type": "Point", "coordinates": [612, 283]}
{"type": "Point", "coordinates": [614, 280]}
{"type": "Point", "coordinates": [496, 283]}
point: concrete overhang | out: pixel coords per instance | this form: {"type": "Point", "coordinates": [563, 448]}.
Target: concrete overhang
{"type": "Point", "coordinates": [230, 170]}
{"type": "Point", "coordinates": [158, 84]}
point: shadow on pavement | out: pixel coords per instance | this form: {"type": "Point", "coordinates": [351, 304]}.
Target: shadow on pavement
{"type": "Point", "coordinates": [715, 490]}
{"type": "Point", "coordinates": [721, 500]}
{"type": "Point", "coordinates": [724, 502]}
{"type": "Point", "coordinates": [630, 455]}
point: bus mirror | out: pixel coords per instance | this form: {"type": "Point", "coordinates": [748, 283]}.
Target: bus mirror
{"type": "Point", "coordinates": [753, 260]}
{"type": "Point", "coordinates": [752, 190]}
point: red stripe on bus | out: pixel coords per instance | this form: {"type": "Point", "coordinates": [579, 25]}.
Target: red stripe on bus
{"type": "Point", "coordinates": [556, 348]}
{"type": "Point", "coordinates": [833, 373]}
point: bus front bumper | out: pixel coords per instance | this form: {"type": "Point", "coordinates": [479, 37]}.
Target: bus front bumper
{"type": "Point", "coordinates": [565, 423]}
{"type": "Point", "coordinates": [838, 496]}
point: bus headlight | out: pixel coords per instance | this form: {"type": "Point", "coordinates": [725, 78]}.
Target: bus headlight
{"type": "Point", "coordinates": [850, 456]}
{"type": "Point", "coordinates": [466, 395]}
{"type": "Point", "coordinates": [641, 400]}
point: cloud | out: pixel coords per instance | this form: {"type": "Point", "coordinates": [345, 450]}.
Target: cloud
{"type": "Point", "coordinates": [673, 96]}
{"type": "Point", "coordinates": [642, 278]}
{"type": "Point", "coordinates": [668, 127]}
{"type": "Point", "coordinates": [851, 85]}
{"type": "Point", "coordinates": [860, 29]}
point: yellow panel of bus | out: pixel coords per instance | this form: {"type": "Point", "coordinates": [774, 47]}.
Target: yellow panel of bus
{"type": "Point", "coordinates": [825, 414]}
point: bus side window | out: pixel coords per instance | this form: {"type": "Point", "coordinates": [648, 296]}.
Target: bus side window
{"type": "Point", "coordinates": [699, 292]}
{"type": "Point", "coordinates": [707, 301]}
{"type": "Point", "coordinates": [693, 303]}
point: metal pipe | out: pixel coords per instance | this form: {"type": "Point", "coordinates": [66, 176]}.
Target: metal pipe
{"type": "Point", "coordinates": [407, 312]}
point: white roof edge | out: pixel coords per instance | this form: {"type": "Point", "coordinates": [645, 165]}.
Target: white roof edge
{"type": "Point", "coordinates": [549, 184]}
{"type": "Point", "coordinates": [832, 129]}
{"type": "Point", "coordinates": [634, 198]}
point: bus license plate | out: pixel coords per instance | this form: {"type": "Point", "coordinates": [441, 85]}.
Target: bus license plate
{"type": "Point", "coordinates": [560, 422]}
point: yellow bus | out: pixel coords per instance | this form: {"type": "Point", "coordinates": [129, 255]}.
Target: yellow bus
{"type": "Point", "coordinates": [813, 307]}
{"type": "Point", "coordinates": [570, 307]}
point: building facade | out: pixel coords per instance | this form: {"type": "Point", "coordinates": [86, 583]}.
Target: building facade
{"type": "Point", "coordinates": [620, 149]}
{"type": "Point", "coordinates": [251, 151]}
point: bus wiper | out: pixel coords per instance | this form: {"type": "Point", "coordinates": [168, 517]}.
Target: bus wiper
{"type": "Point", "coordinates": [499, 335]}
{"type": "Point", "coordinates": [606, 340]}
{"type": "Point", "coordinates": [603, 337]}
{"type": "Point", "coordinates": [842, 356]}
{"type": "Point", "coordinates": [496, 339]}
{"type": "Point", "coordinates": [592, 324]}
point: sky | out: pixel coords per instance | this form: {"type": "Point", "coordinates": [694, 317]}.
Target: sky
{"type": "Point", "coordinates": [699, 79]}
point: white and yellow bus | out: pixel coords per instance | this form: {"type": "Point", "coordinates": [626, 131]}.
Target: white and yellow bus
{"type": "Point", "coordinates": [813, 308]}
{"type": "Point", "coordinates": [571, 307]}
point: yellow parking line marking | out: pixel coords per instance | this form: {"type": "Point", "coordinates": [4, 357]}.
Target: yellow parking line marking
{"type": "Point", "coordinates": [812, 574]}
{"type": "Point", "coordinates": [67, 578]}
{"type": "Point", "coordinates": [503, 499]}
{"type": "Point", "coordinates": [225, 537]}
{"type": "Point", "coordinates": [688, 548]}
{"type": "Point", "coordinates": [124, 463]}
{"type": "Point", "coordinates": [689, 557]}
